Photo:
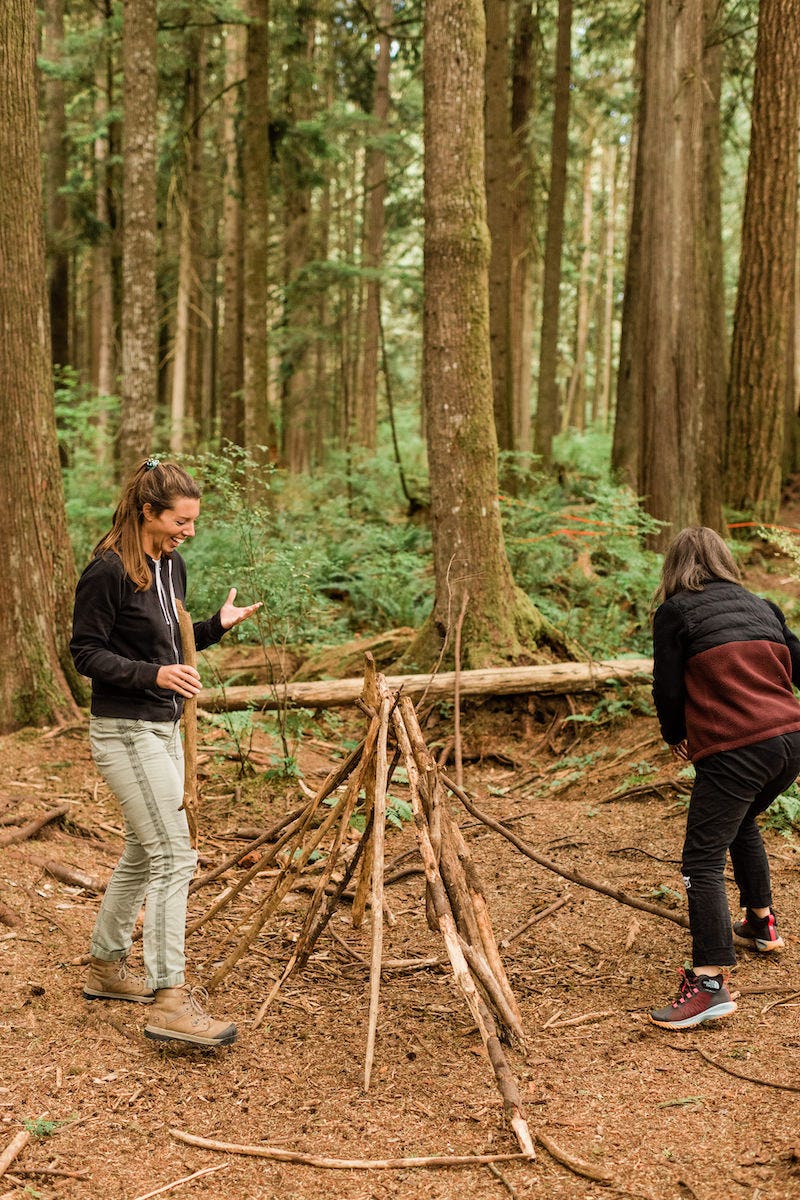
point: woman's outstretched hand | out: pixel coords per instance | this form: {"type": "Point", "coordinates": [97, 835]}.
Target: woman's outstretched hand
{"type": "Point", "coordinates": [231, 615]}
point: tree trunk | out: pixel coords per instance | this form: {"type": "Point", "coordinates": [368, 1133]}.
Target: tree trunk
{"type": "Point", "coordinates": [255, 213]}
{"type": "Point", "coordinates": [55, 148]}
{"type": "Point", "coordinates": [604, 365]}
{"type": "Point", "coordinates": [668, 343]}
{"type": "Point", "coordinates": [576, 390]}
{"type": "Point", "coordinates": [230, 370]}
{"type": "Point", "coordinates": [547, 415]}
{"type": "Point", "coordinates": [716, 346]}
{"type": "Point", "coordinates": [522, 203]}
{"type": "Point", "coordinates": [470, 563]}
{"type": "Point", "coordinates": [763, 319]}
{"type": "Point", "coordinates": [139, 382]}
{"type": "Point", "coordinates": [183, 427]}
{"type": "Point", "coordinates": [101, 331]}
{"type": "Point", "coordinates": [498, 151]}
{"type": "Point", "coordinates": [299, 294]}
{"type": "Point", "coordinates": [366, 422]}
{"type": "Point", "coordinates": [628, 418]}
{"type": "Point", "coordinates": [36, 671]}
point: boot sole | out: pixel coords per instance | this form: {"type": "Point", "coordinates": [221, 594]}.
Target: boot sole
{"type": "Point", "coordinates": [711, 1014]}
{"type": "Point", "coordinates": [191, 1039]}
{"type": "Point", "coordinates": [117, 996]}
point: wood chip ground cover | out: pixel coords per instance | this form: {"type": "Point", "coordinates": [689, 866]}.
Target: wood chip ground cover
{"type": "Point", "coordinates": [597, 1079]}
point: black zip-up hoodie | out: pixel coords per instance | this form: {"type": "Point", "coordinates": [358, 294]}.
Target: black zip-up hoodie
{"type": "Point", "coordinates": [120, 637]}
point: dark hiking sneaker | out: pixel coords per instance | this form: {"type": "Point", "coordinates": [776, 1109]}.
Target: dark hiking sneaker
{"type": "Point", "coordinates": [761, 931]}
{"type": "Point", "coordinates": [701, 998]}
{"type": "Point", "coordinates": [178, 1016]}
{"type": "Point", "coordinates": [113, 981]}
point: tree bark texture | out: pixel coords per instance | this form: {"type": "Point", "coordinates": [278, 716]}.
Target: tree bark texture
{"type": "Point", "coordinates": [55, 132]}
{"type": "Point", "coordinates": [36, 671]}
{"type": "Point", "coordinates": [498, 151]}
{"type": "Point", "coordinates": [547, 407]}
{"type": "Point", "coordinates": [230, 366]}
{"type": "Point", "coordinates": [668, 344]}
{"type": "Point", "coordinates": [525, 62]}
{"type": "Point", "coordinates": [468, 549]}
{"type": "Point", "coordinates": [139, 384]}
{"type": "Point", "coordinates": [763, 318]}
{"type": "Point", "coordinates": [255, 215]}
{"type": "Point", "coordinates": [366, 422]}
{"type": "Point", "coordinates": [102, 308]}
{"type": "Point", "coordinates": [297, 400]}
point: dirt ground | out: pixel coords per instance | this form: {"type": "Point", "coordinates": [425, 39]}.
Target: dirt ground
{"type": "Point", "coordinates": [668, 1115]}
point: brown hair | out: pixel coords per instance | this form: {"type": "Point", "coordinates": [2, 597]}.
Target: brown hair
{"type": "Point", "coordinates": [695, 557]}
{"type": "Point", "coordinates": [158, 484]}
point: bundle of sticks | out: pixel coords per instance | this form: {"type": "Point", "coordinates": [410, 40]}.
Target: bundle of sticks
{"type": "Point", "coordinates": [455, 899]}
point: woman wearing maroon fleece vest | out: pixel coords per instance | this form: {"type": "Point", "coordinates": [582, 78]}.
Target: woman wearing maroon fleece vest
{"type": "Point", "coordinates": [724, 666]}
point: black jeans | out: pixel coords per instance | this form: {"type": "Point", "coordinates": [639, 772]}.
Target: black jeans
{"type": "Point", "coordinates": [730, 790]}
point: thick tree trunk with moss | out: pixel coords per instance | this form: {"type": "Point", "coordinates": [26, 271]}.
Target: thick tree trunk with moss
{"type": "Point", "coordinates": [762, 345]}
{"type": "Point", "coordinates": [36, 671]}
{"type": "Point", "coordinates": [469, 554]}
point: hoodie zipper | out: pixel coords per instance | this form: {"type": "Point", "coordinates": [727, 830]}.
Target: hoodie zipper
{"type": "Point", "coordinates": [170, 626]}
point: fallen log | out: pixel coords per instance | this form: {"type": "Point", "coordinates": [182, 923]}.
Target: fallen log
{"type": "Point", "coordinates": [69, 875]}
{"type": "Point", "coordinates": [552, 679]}
{"type": "Point", "coordinates": [33, 827]}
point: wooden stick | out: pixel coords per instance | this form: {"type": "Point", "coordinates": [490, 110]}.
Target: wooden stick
{"type": "Point", "coordinates": [553, 679]}
{"type": "Point", "coordinates": [505, 1081]}
{"type": "Point", "coordinates": [457, 693]}
{"type": "Point", "coordinates": [578, 877]}
{"type": "Point", "coordinates": [253, 844]}
{"type": "Point", "coordinates": [569, 1160]}
{"type": "Point", "coordinates": [378, 843]}
{"type": "Point", "coordinates": [460, 874]}
{"type": "Point", "coordinates": [25, 832]}
{"type": "Point", "coordinates": [346, 1164]}
{"type": "Point", "coordinates": [185, 1179]}
{"type": "Point", "coordinates": [534, 920]}
{"type": "Point", "coordinates": [343, 812]}
{"type": "Point", "coordinates": [189, 726]}
{"type": "Point", "coordinates": [13, 1149]}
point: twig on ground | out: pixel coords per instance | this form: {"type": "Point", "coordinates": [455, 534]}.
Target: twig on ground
{"type": "Point", "coordinates": [582, 1020]}
{"type": "Point", "coordinates": [347, 1164]}
{"type": "Point", "coordinates": [498, 1174]}
{"type": "Point", "coordinates": [571, 1162]}
{"type": "Point", "coordinates": [177, 1182]}
{"type": "Point", "coordinates": [378, 845]}
{"type": "Point", "coordinates": [13, 1149]}
{"type": "Point", "coordinates": [33, 827]}
{"type": "Point", "coordinates": [534, 920]}
{"type": "Point", "coordinates": [777, 1003]}
{"type": "Point", "coordinates": [784, 1087]}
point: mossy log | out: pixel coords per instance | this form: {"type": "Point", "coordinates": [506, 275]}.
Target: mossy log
{"type": "Point", "coordinates": [552, 678]}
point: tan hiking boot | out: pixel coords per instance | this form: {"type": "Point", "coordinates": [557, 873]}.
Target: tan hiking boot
{"type": "Point", "coordinates": [113, 981]}
{"type": "Point", "coordinates": [178, 1016]}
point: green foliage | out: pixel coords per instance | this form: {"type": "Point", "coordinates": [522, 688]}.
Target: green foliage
{"type": "Point", "coordinates": [82, 422]}
{"type": "Point", "coordinates": [577, 548]}
{"type": "Point", "coordinates": [41, 1127]}
{"type": "Point", "coordinates": [783, 815]}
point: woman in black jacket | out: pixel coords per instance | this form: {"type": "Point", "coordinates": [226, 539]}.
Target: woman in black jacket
{"type": "Point", "coordinates": [127, 641]}
{"type": "Point", "coordinates": [724, 663]}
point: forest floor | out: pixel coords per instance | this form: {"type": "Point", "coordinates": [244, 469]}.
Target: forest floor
{"type": "Point", "coordinates": [670, 1116]}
